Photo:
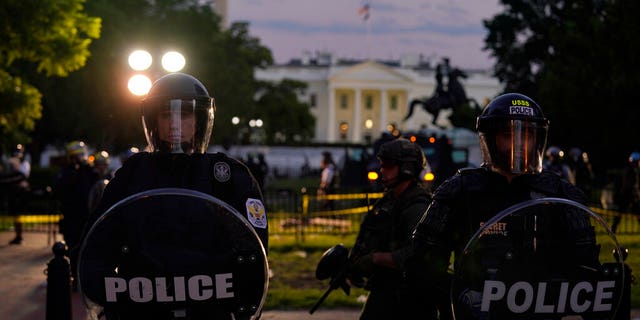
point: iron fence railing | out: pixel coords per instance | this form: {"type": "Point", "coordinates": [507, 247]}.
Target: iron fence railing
{"type": "Point", "coordinates": [292, 213]}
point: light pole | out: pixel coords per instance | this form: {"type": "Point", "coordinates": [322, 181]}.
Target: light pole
{"type": "Point", "coordinates": [140, 61]}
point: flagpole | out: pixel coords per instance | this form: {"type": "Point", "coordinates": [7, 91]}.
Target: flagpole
{"type": "Point", "coordinates": [368, 38]}
{"type": "Point", "coordinates": [364, 11]}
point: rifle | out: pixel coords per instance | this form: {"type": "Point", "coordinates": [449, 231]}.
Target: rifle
{"type": "Point", "coordinates": [335, 264]}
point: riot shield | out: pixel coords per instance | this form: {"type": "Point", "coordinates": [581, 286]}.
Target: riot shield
{"type": "Point", "coordinates": [172, 254]}
{"type": "Point", "coordinates": [546, 258]}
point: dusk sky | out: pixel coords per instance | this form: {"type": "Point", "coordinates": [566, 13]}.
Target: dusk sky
{"type": "Point", "coordinates": [433, 28]}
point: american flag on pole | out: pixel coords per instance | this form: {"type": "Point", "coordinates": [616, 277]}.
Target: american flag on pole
{"type": "Point", "coordinates": [364, 11]}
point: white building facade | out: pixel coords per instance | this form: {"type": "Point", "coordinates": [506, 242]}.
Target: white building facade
{"type": "Point", "coordinates": [356, 102]}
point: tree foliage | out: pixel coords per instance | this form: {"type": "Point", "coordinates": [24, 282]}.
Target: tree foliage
{"type": "Point", "coordinates": [95, 105]}
{"type": "Point", "coordinates": [579, 60]}
{"type": "Point", "coordinates": [37, 38]}
{"type": "Point", "coordinates": [287, 120]}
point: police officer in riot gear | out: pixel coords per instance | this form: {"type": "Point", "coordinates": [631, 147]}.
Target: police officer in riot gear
{"type": "Point", "coordinates": [384, 238]}
{"type": "Point", "coordinates": [178, 117]}
{"type": "Point", "coordinates": [512, 135]}
{"type": "Point", "coordinates": [555, 162]}
{"type": "Point", "coordinates": [71, 190]}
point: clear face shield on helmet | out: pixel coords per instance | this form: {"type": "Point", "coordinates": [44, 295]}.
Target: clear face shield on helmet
{"type": "Point", "coordinates": [178, 125]}
{"type": "Point", "coordinates": [514, 147]}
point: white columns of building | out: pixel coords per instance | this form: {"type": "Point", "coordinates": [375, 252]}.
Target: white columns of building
{"type": "Point", "coordinates": [356, 128]}
{"type": "Point", "coordinates": [331, 121]}
{"type": "Point", "coordinates": [384, 105]}
{"type": "Point", "coordinates": [357, 119]}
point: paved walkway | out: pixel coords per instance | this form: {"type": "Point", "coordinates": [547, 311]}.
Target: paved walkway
{"type": "Point", "coordinates": [24, 285]}
{"type": "Point", "coordinates": [24, 289]}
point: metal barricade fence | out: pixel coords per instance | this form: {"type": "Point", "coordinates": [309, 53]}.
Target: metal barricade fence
{"type": "Point", "coordinates": [39, 214]}
{"type": "Point", "coordinates": [300, 214]}
{"type": "Point", "coordinates": [304, 213]}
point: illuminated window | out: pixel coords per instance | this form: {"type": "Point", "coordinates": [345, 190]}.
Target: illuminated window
{"type": "Point", "coordinates": [344, 127]}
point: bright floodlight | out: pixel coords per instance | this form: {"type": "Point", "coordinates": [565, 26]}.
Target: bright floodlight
{"type": "Point", "coordinates": [368, 124]}
{"type": "Point", "coordinates": [259, 123]}
{"type": "Point", "coordinates": [140, 60]}
{"type": "Point", "coordinates": [139, 84]}
{"type": "Point", "coordinates": [173, 61]}
{"type": "Point", "coordinates": [235, 120]}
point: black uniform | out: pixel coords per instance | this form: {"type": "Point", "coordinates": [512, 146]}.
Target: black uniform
{"type": "Point", "coordinates": [71, 189]}
{"type": "Point", "coordinates": [387, 228]}
{"type": "Point", "coordinates": [473, 196]}
{"type": "Point", "coordinates": [216, 174]}
{"type": "Point", "coordinates": [206, 173]}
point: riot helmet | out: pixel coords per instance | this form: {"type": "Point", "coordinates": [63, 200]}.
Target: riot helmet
{"type": "Point", "coordinates": [554, 153]}
{"type": "Point", "coordinates": [77, 151]}
{"type": "Point", "coordinates": [634, 158]}
{"type": "Point", "coordinates": [407, 155]}
{"type": "Point", "coordinates": [131, 151]}
{"type": "Point", "coordinates": [101, 158]}
{"type": "Point", "coordinates": [177, 115]}
{"type": "Point", "coordinates": [576, 155]}
{"type": "Point", "coordinates": [513, 133]}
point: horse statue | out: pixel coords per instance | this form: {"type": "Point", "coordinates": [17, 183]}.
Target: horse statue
{"type": "Point", "coordinates": [451, 98]}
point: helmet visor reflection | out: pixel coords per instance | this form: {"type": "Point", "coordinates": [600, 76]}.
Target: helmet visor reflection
{"type": "Point", "coordinates": [516, 147]}
{"type": "Point", "coordinates": [179, 125]}
{"type": "Point", "coordinates": [176, 124]}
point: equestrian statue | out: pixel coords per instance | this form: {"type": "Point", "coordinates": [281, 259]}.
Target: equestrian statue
{"type": "Point", "coordinates": [446, 96]}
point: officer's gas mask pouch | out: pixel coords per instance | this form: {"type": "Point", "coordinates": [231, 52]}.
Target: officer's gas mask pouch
{"type": "Point", "coordinates": [514, 146]}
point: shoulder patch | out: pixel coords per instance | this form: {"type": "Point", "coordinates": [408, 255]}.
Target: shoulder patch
{"type": "Point", "coordinates": [221, 171]}
{"type": "Point", "coordinates": [256, 213]}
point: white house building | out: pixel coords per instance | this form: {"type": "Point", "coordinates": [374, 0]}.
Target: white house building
{"type": "Point", "coordinates": [355, 101]}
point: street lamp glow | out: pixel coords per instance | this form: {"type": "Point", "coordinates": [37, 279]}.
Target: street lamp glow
{"type": "Point", "coordinates": [140, 60]}
{"type": "Point", "coordinates": [259, 123]}
{"type": "Point", "coordinates": [252, 123]}
{"type": "Point", "coordinates": [173, 61]}
{"type": "Point", "coordinates": [139, 84]}
{"type": "Point", "coordinates": [235, 120]}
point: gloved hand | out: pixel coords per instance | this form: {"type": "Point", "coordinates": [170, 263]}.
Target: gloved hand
{"type": "Point", "coordinates": [360, 269]}
{"type": "Point", "coordinates": [364, 264]}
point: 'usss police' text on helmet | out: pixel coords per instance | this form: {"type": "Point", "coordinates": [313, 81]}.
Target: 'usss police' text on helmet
{"type": "Point", "coordinates": [407, 155]}
{"type": "Point", "coordinates": [513, 133]}
{"type": "Point", "coordinates": [177, 115]}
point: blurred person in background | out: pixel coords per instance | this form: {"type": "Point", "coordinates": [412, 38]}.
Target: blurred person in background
{"type": "Point", "coordinates": [627, 196]}
{"type": "Point", "coordinates": [554, 162]}
{"type": "Point", "coordinates": [101, 163]}
{"type": "Point", "coordinates": [71, 188]}
{"type": "Point", "coordinates": [329, 179]}
{"type": "Point", "coordinates": [14, 186]}
{"type": "Point", "coordinates": [580, 166]}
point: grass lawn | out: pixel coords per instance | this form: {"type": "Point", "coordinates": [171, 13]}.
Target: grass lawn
{"type": "Point", "coordinates": [294, 286]}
